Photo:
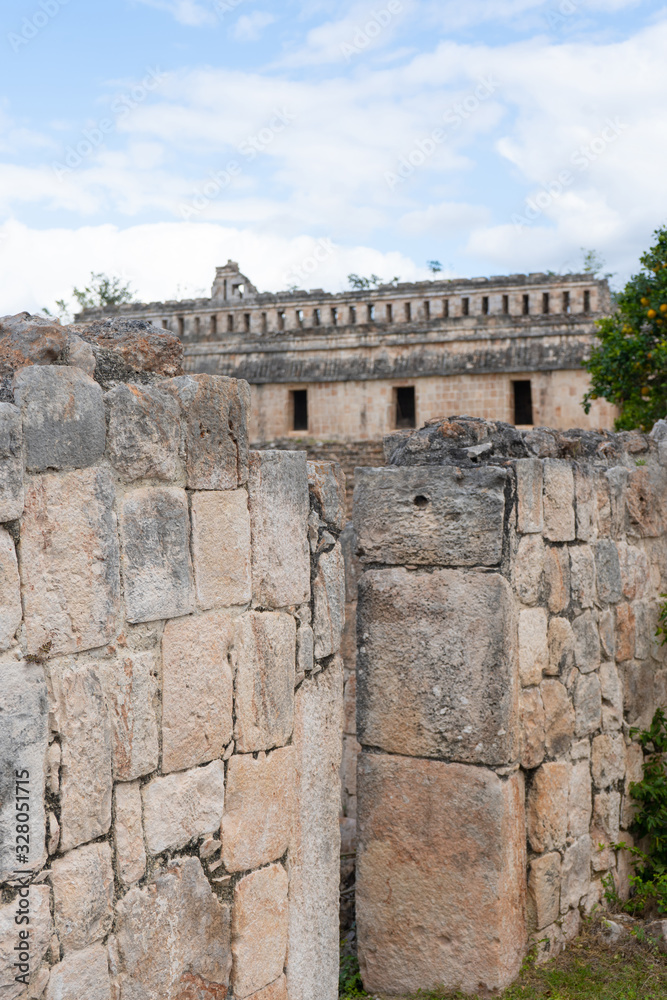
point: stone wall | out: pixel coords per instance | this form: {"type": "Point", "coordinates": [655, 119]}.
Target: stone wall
{"type": "Point", "coordinates": [506, 645]}
{"type": "Point", "coordinates": [171, 610]}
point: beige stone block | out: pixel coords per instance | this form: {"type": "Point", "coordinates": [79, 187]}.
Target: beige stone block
{"type": "Point", "coordinates": [173, 937]}
{"type": "Point", "coordinates": [607, 571]}
{"type": "Point", "coordinates": [86, 742]}
{"type": "Point", "coordinates": [557, 579]}
{"type": "Point", "coordinates": [143, 432]}
{"type": "Point", "coordinates": [550, 944]}
{"type": "Point", "coordinates": [39, 932]}
{"type": "Point", "coordinates": [279, 508]}
{"type": "Point", "coordinates": [128, 833]}
{"type": "Point", "coordinates": [69, 562]}
{"type": "Point", "coordinates": [634, 772]}
{"type": "Point", "coordinates": [180, 807]}
{"type": "Point", "coordinates": [83, 890]}
{"type": "Point", "coordinates": [11, 463]}
{"type": "Point", "coordinates": [529, 480]}
{"type": "Point", "coordinates": [605, 828]}
{"type": "Point", "coordinates": [544, 890]}
{"type": "Point", "coordinates": [329, 602]}
{"type": "Point", "coordinates": [625, 632]}
{"type": "Point", "coordinates": [612, 697]}
{"type": "Point", "coordinates": [259, 806]}
{"type": "Point", "coordinates": [571, 926]}
{"type": "Point", "coordinates": [259, 930]}
{"type": "Point", "coordinates": [575, 873]}
{"type": "Point", "coordinates": [579, 800]}
{"type": "Point", "coordinates": [11, 611]}
{"type": "Point", "coordinates": [582, 575]}
{"type": "Point", "coordinates": [561, 647]}
{"type": "Point", "coordinates": [645, 637]}
{"type": "Point", "coordinates": [532, 727]}
{"type": "Point", "coordinates": [305, 652]}
{"type": "Point", "coordinates": [130, 684]}
{"type": "Point", "coordinates": [546, 807]}
{"type": "Point", "coordinates": [533, 645]}
{"type": "Point", "coordinates": [264, 662]}
{"type": "Point", "coordinates": [586, 503]}
{"type": "Point", "coordinates": [529, 568]}
{"type": "Point", "coordinates": [221, 548]}
{"type": "Point", "coordinates": [635, 571]}
{"type": "Point", "coordinates": [607, 624]}
{"type": "Point", "coordinates": [559, 718]}
{"type": "Point", "coordinates": [586, 642]}
{"type": "Point", "coordinates": [83, 975]}
{"type": "Point", "coordinates": [314, 855]}
{"type": "Point", "coordinates": [608, 759]}
{"type": "Point", "coordinates": [455, 915]}
{"type": "Point", "coordinates": [197, 690]}
{"type": "Point", "coordinates": [559, 523]}
{"type": "Point", "coordinates": [587, 704]}
{"type": "Point", "coordinates": [326, 481]}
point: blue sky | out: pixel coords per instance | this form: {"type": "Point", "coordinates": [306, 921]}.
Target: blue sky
{"type": "Point", "coordinates": [154, 139]}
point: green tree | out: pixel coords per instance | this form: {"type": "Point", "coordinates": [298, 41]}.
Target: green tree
{"type": "Point", "coordinates": [360, 283]}
{"type": "Point", "coordinates": [629, 366]}
{"type": "Point", "coordinates": [103, 292]}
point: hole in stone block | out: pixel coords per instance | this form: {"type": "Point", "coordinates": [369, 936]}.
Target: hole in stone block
{"type": "Point", "coordinates": [421, 501]}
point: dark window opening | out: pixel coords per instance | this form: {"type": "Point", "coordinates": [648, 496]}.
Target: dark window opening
{"type": "Point", "coordinates": [230, 323]}
{"type": "Point", "coordinates": [427, 310]}
{"type": "Point", "coordinates": [445, 307]}
{"type": "Point", "coordinates": [181, 326]}
{"type": "Point", "coordinates": [506, 305]}
{"type": "Point", "coordinates": [300, 410]}
{"type": "Point", "coordinates": [405, 407]}
{"type": "Point", "coordinates": [265, 324]}
{"type": "Point", "coordinates": [408, 311]}
{"type": "Point", "coordinates": [281, 320]}
{"type": "Point", "coordinates": [485, 305]}
{"type": "Point", "coordinates": [246, 322]}
{"type": "Point", "coordinates": [390, 313]}
{"type": "Point", "coordinates": [317, 316]}
{"type": "Point", "coordinates": [334, 316]}
{"type": "Point", "coordinates": [214, 325]}
{"type": "Point", "coordinates": [165, 324]}
{"type": "Point", "coordinates": [545, 303]}
{"type": "Point", "coordinates": [523, 402]}
{"type": "Point", "coordinates": [353, 314]}
{"type": "Point", "coordinates": [587, 301]}
{"type": "Point", "coordinates": [370, 313]}
{"type": "Point", "coordinates": [526, 305]}
{"type": "Point", "coordinates": [566, 302]}
{"type": "Point", "coordinates": [465, 307]}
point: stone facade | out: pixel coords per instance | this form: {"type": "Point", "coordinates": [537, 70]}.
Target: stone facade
{"type": "Point", "coordinates": [166, 715]}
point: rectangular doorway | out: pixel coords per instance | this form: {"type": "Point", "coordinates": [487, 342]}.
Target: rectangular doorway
{"type": "Point", "coordinates": [299, 402]}
{"type": "Point", "coordinates": [405, 407]}
{"type": "Point", "coordinates": [523, 402]}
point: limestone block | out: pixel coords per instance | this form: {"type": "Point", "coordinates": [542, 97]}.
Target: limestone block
{"type": "Point", "coordinates": [326, 481]}
{"type": "Point", "coordinates": [157, 574]}
{"type": "Point", "coordinates": [144, 432]}
{"type": "Point", "coordinates": [329, 602]}
{"type": "Point", "coordinates": [586, 642]}
{"type": "Point", "coordinates": [82, 974]}
{"type": "Point", "coordinates": [221, 548]}
{"type": "Point", "coordinates": [11, 611]}
{"type": "Point", "coordinates": [544, 890]}
{"type": "Point", "coordinates": [608, 759]}
{"type": "Point", "coordinates": [63, 417]}
{"type": "Point", "coordinates": [634, 772]}
{"type": "Point", "coordinates": [39, 932]}
{"type": "Point", "coordinates": [180, 807]}
{"type": "Point", "coordinates": [557, 579]}
{"type": "Point", "coordinates": [216, 412]}
{"type": "Point", "coordinates": [644, 630]}
{"type": "Point", "coordinates": [607, 625]}
{"type": "Point", "coordinates": [546, 807]}
{"type": "Point", "coordinates": [69, 563]}
{"type": "Point", "coordinates": [612, 697]}
{"type": "Point", "coordinates": [581, 750]}
{"type": "Point", "coordinates": [279, 508]}
{"type": "Point", "coordinates": [617, 478]}
{"type": "Point", "coordinates": [313, 860]}
{"type": "Point", "coordinates": [586, 503]}
{"type": "Point", "coordinates": [575, 873]}
{"type": "Point", "coordinates": [605, 829]}
{"type": "Point", "coordinates": [455, 915]}
{"type": "Point", "coordinates": [11, 463]}
{"type": "Point", "coordinates": [276, 991]}
{"type": "Point", "coordinates": [259, 930]}
{"type": "Point", "coordinates": [579, 802]}
{"type": "Point", "coordinates": [644, 500]}
{"type": "Point", "coordinates": [23, 746]}
{"type": "Point", "coordinates": [529, 480]}
{"type": "Point", "coordinates": [608, 572]}
{"type": "Point", "coordinates": [533, 645]}
{"type": "Point", "coordinates": [259, 806]}
{"type": "Point", "coordinates": [305, 652]}
{"type": "Point", "coordinates": [83, 889]}
{"type": "Point", "coordinates": [638, 692]}
{"type": "Point", "coordinates": [559, 718]}
{"type": "Point", "coordinates": [130, 685]}
{"type": "Point", "coordinates": [173, 937]}
{"type": "Point", "coordinates": [437, 674]}
{"type": "Point", "coordinates": [264, 662]}
{"type": "Point", "coordinates": [86, 743]}
{"type": "Point", "coordinates": [587, 704]}
{"type": "Point", "coordinates": [625, 632]}
{"type": "Point", "coordinates": [635, 571]}
{"type": "Point", "coordinates": [571, 926]}
{"type": "Point", "coordinates": [582, 575]}
{"type": "Point", "coordinates": [532, 727]}
{"type": "Point", "coordinates": [430, 515]}
{"type": "Point", "coordinates": [128, 833]}
{"type": "Point", "coordinates": [561, 647]}
{"type": "Point", "coordinates": [197, 690]}
{"type": "Point", "coordinates": [529, 568]}
{"type": "Point", "coordinates": [550, 944]}
{"type": "Point", "coordinates": [559, 523]}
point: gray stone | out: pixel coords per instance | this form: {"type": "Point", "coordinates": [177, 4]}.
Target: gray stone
{"type": "Point", "coordinates": [144, 432]}
{"type": "Point", "coordinates": [586, 642]}
{"type": "Point", "coordinates": [80, 354]}
{"type": "Point", "coordinates": [180, 807]}
{"type": "Point", "coordinates": [83, 974]}
{"type": "Point", "coordinates": [83, 889]}
{"type": "Point", "coordinates": [39, 932]}
{"type": "Point", "coordinates": [221, 548]}
{"type": "Point", "coordinates": [326, 481]}
{"type": "Point", "coordinates": [11, 611]}
{"type": "Point", "coordinates": [529, 480]}
{"type": "Point", "coordinates": [559, 522]}
{"type": "Point", "coordinates": [561, 647]}
{"type": "Point", "coordinates": [529, 568]}
{"type": "Point", "coordinates": [607, 624]}
{"type": "Point", "coordinates": [305, 652]}
{"type": "Point", "coordinates": [216, 411]}
{"type": "Point", "coordinates": [608, 572]}
{"type": "Point", "coordinates": [559, 717]}
{"type": "Point", "coordinates": [532, 728]}
{"type": "Point", "coordinates": [437, 672]}
{"type": "Point", "coordinates": [544, 890]}
{"type": "Point", "coordinates": [612, 697]}
{"type": "Point", "coordinates": [11, 463]}
{"type": "Point", "coordinates": [586, 503]}
{"type": "Point", "coordinates": [533, 645]}
{"type": "Point", "coordinates": [582, 566]}
{"type": "Point", "coordinates": [644, 630]}
{"type": "Point", "coordinates": [63, 417]}
{"type": "Point", "coordinates": [546, 807]}
{"type": "Point", "coordinates": [605, 829]}
{"type": "Point", "coordinates": [575, 873]}
{"type": "Point", "coordinates": [279, 508]}
{"type": "Point", "coordinates": [580, 800]}
{"type": "Point", "coordinates": [430, 516]}
{"type": "Point", "coordinates": [329, 602]}
{"type": "Point", "coordinates": [157, 572]}
{"type": "Point", "coordinates": [131, 690]}
{"type": "Point", "coordinates": [557, 579]}
{"type": "Point", "coordinates": [128, 832]}
{"type": "Point", "coordinates": [264, 663]}
{"type": "Point", "coordinates": [587, 704]}
{"type": "Point", "coordinates": [259, 808]}
{"type": "Point", "coordinates": [608, 759]}
{"type": "Point", "coordinates": [259, 930]}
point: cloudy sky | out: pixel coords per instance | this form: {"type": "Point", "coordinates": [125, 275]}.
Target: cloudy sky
{"type": "Point", "coordinates": [154, 139]}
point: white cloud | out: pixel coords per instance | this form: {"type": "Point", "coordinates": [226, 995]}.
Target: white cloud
{"type": "Point", "coordinates": [188, 12]}
{"type": "Point", "coordinates": [249, 27]}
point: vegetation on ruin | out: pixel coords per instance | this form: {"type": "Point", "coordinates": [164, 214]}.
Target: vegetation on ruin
{"type": "Point", "coordinates": [101, 292]}
{"type": "Point", "coordinates": [629, 366]}
{"type": "Point", "coordinates": [359, 283]}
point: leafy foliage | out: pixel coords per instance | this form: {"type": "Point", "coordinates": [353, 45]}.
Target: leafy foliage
{"type": "Point", "coordinates": [360, 283]}
{"type": "Point", "coordinates": [651, 793]}
{"type": "Point", "coordinates": [434, 266]}
{"type": "Point", "coordinates": [102, 292]}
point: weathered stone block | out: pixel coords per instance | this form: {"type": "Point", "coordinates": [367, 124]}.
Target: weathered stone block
{"type": "Point", "coordinates": [173, 937]}
{"type": "Point", "coordinates": [587, 704]}
{"type": "Point", "coordinates": [635, 571]}
{"type": "Point", "coordinates": [544, 890]}
{"type": "Point", "coordinates": [329, 602]}
{"type": "Point", "coordinates": [221, 548]}
{"type": "Point", "coordinates": [305, 652]}
{"type": "Point", "coordinates": [216, 412]}
{"type": "Point", "coordinates": [605, 828]}
{"type": "Point", "coordinates": [529, 568]}
{"type": "Point", "coordinates": [557, 579]}
{"type": "Point", "coordinates": [39, 932]}
{"type": "Point", "coordinates": [608, 633]}
{"type": "Point", "coordinates": [559, 523]}
{"type": "Point", "coordinates": [561, 647]}
{"type": "Point", "coordinates": [11, 463]}
{"type": "Point", "coordinates": [82, 883]}
{"type": "Point", "coordinates": [259, 930]}
{"type": "Point", "coordinates": [612, 697]}
{"type": "Point", "coordinates": [11, 611]}
{"type": "Point", "coordinates": [546, 807]}
{"type": "Point", "coordinates": [131, 686]}
{"type": "Point", "coordinates": [69, 562]}
{"type": "Point", "coordinates": [430, 516]}
{"type": "Point", "coordinates": [128, 833]}
{"type": "Point", "coordinates": [634, 772]}
{"type": "Point", "coordinates": [586, 503]}
{"type": "Point", "coordinates": [638, 692]}
{"type": "Point", "coordinates": [533, 646]}
{"type": "Point", "coordinates": [582, 575]}
{"type": "Point", "coordinates": [82, 974]}
{"type": "Point", "coordinates": [63, 417]}
{"type": "Point", "coordinates": [559, 718]}
{"type": "Point", "coordinates": [608, 572]}
{"type": "Point", "coordinates": [314, 855]}
{"type": "Point", "coordinates": [455, 915]}
{"type": "Point", "coordinates": [575, 873]}
{"type": "Point", "coordinates": [532, 727]}
{"type": "Point", "coordinates": [586, 642]}
{"type": "Point", "coordinates": [608, 759]}
{"type": "Point", "coordinates": [279, 508]}
{"type": "Point", "coordinates": [644, 630]}
{"type": "Point", "coordinates": [259, 806]}
{"type": "Point", "coordinates": [437, 674]}
{"type": "Point", "coordinates": [144, 432]}
{"type": "Point", "coordinates": [625, 632]}
{"type": "Point", "coordinates": [326, 481]}
{"type": "Point", "coordinates": [183, 806]}
{"type": "Point", "coordinates": [644, 500]}
{"type": "Point", "coordinates": [276, 991]}
{"type": "Point", "coordinates": [264, 661]}
{"type": "Point", "coordinates": [579, 801]}
{"type": "Point", "coordinates": [529, 480]}
{"type": "Point", "coordinates": [86, 742]}
{"type": "Point", "coordinates": [157, 573]}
